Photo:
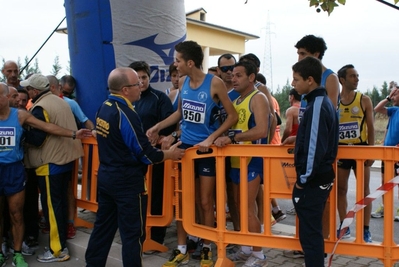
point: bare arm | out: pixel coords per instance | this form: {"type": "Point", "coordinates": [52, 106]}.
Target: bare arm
{"type": "Point", "coordinates": [366, 102]}
{"type": "Point", "coordinates": [219, 92]}
{"type": "Point", "coordinates": [380, 108]}
{"type": "Point", "coordinates": [289, 121]}
{"type": "Point", "coordinates": [89, 124]}
{"type": "Point", "coordinates": [273, 121]}
{"type": "Point", "coordinates": [290, 140]}
{"type": "Point", "coordinates": [259, 107]}
{"type": "Point", "coordinates": [28, 119]}
{"type": "Point", "coordinates": [332, 87]}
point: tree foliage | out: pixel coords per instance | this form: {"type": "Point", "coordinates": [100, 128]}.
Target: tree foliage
{"type": "Point", "coordinates": [29, 69]}
{"type": "Point", "coordinates": [281, 96]}
{"type": "Point", "coordinates": [378, 94]}
{"type": "Point", "coordinates": [56, 66]}
{"type": "Point", "coordinates": [329, 5]}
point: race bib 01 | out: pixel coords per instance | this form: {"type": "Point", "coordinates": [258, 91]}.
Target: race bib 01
{"type": "Point", "coordinates": [7, 136]}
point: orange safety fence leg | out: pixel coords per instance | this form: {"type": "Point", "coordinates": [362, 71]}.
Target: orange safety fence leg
{"type": "Point", "coordinates": [224, 262]}
{"type": "Point", "coordinates": [82, 223]}
{"type": "Point", "coordinates": [222, 259]}
{"type": "Point", "coordinates": [166, 218]}
{"type": "Point", "coordinates": [150, 244]}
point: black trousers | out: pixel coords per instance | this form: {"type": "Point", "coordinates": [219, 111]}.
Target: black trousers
{"type": "Point", "coordinates": [31, 208]}
{"type": "Point", "coordinates": [309, 204]}
{"type": "Point", "coordinates": [123, 210]}
{"type": "Point", "coordinates": [53, 189]}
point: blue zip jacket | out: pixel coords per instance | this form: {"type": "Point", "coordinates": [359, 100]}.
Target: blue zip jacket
{"type": "Point", "coordinates": [316, 143]}
{"type": "Point", "coordinates": [124, 149]}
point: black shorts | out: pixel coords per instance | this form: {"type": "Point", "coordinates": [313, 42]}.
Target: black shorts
{"type": "Point", "coordinates": [348, 164]}
{"type": "Point", "coordinates": [203, 166]}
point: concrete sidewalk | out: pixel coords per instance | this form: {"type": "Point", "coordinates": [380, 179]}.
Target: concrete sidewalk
{"type": "Point", "coordinates": [77, 248]}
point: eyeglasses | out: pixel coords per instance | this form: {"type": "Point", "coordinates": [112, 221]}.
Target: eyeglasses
{"type": "Point", "coordinates": [28, 88]}
{"type": "Point", "coordinates": [227, 68]}
{"type": "Point", "coordinates": [132, 85]}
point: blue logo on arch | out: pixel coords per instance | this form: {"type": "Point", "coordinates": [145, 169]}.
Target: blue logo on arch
{"type": "Point", "coordinates": [165, 51]}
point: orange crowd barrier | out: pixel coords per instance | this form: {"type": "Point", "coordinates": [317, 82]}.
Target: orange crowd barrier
{"type": "Point", "coordinates": [167, 208]}
{"type": "Point", "coordinates": [279, 177]}
{"type": "Point", "coordinates": [85, 185]}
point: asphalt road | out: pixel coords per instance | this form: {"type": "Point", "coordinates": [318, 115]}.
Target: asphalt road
{"type": "Point", "coordinates": [376, 225]}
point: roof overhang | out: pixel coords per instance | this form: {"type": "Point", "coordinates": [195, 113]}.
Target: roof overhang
{"type": "Point", "coordinates": [204, 24]}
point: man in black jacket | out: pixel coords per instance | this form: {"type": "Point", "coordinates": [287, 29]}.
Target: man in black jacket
{"type": "Point", "coordinates": [153, 106]}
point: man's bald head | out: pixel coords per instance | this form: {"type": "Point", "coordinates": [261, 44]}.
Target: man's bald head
{"type": "Point", "coordinates": [54, 84]}
{"type": "Point", "coordinates": [10, 63]}
{"type": "Point", "coordinates": [4, 89]}
{"type": "Point", "coordinates": [11, 71]}
{"type": "Point", "coordinates": [13, 97]}
{"type": "Point", "coordinates": [125, 82]}
{"type": "Point", "coordinates": [118, 78]}
{"type": "Point", "coordinates": [4, 105]}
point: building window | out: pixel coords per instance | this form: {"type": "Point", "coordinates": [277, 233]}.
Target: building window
{"type": "Point", "coordinates": [202, 16]}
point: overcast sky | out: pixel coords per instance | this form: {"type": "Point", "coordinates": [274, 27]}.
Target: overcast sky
{"type": "Point", "coordinates": [363, 33]}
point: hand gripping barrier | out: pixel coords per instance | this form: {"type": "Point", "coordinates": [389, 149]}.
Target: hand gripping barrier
{"type": "Point", "coordinates": [279, 176]}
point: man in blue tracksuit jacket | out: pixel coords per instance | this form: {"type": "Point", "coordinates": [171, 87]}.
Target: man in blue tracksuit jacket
{"type": "Point", "coordinates": [124, 153]}
{"type": "Point", "coordinates": [315, 152]}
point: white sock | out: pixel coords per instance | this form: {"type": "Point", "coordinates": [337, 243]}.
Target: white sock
{"type": "Point", "coordinates": [276, 209]}
{"type": "Point", "coordinates": [247, 250]}
{"type": "Point", "coordinates": [259, 254]}
{"type": "Point", "coordinates": [182, 248]}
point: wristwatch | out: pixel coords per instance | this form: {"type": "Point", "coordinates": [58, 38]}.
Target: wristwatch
{"type": "Point", "coordinates": [174, 135]}
{"type": "Point", "coordinates": [388, 98]}
{"type": "Point", "coordinates": [231, 135]}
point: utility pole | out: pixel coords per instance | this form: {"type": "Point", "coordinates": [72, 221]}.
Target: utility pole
{"type": "Point", "coordinates": [267, 55]}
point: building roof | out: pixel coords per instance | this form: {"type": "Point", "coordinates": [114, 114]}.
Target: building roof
{"type": "Point", "coordinates": [221, 28]}
{"type": "Point", "coordinates": [195, 11]}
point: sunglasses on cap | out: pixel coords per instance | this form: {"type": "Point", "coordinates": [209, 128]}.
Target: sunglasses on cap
{"type": "Point", "coordinates": [227, 68]}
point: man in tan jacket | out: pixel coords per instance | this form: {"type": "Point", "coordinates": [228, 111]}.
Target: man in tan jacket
{"type": "Point", "coordinates": [53, 159]}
